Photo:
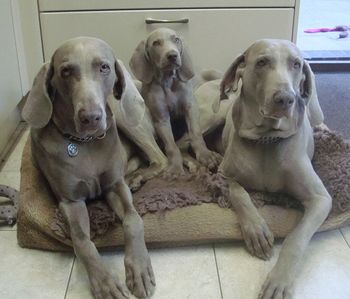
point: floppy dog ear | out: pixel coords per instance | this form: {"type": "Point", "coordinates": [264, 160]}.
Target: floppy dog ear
{"type": "Point", "coordinates": [309, 94]}
{"type": "Point", "coordinates": [307, 82]}
{"type": "Point", "coordinates": [132, 104]}
{"type": "Point", "coordinates": [140, 64]}
{"type": "Point", "coordinates": [119, 84]}
{"type": "Point", "coordinates": [186, 71]}
{"type": "Point", "coordinates": [230, 81]}
{"type": "Point", "coordinates": [232, 77]}
{"type": "Point", "coordinates": [37, 110]}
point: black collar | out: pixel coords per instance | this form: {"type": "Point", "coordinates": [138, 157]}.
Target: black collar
{"type": "Point", "coordinates": [79, 139]}
{"type": "Point", "coordinates": [265, 140]}
{"type": "Point", "coordinates": [85, 139]}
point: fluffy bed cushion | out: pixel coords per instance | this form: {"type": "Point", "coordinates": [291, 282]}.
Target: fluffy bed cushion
{"type": "Point", "coordinates": [189, 211]}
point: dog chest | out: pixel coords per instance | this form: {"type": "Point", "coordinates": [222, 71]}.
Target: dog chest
{"type": "Point", "coordinates": [96, 166]}
{"type": "Point", "coordinates": [252, 168]}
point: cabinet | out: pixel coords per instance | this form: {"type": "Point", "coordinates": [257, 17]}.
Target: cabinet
{"type": "Point", "coordinates": [215, 35]}
{"type": "Point", "coordinates": [10, 81]}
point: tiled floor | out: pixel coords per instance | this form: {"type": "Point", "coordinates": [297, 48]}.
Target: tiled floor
{"type": "Point", "coordinates": [320, 14]}
{"type": "Point", "coordinates": [199, 272]}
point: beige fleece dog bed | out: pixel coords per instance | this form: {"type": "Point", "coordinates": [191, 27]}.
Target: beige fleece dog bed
{"type": "Point", "coordinates": [189, 211]}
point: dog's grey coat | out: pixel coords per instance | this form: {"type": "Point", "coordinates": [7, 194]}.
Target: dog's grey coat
{"type": "Point", "coordinates": [74, 94]}
{"type": "Point", "coordinates": [163, 65]}
{"type": "Point", "coordinates": [277, 85]}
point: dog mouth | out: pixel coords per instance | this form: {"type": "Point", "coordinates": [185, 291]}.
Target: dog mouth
{"type": "Point", "coordinates": [275, 112]}
{"type": "Point", "coordinates": [85, 131]}
{"type": "Point", "coordinates": [273, 115]}
{"type": "Point", "coordinates": [169, 66]}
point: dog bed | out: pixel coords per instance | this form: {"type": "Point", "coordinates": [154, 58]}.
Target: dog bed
{"type": "Point", "coordinates": [191, 210]}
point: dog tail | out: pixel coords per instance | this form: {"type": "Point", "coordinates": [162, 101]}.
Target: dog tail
{"type": "Point", "coordinates": [206, 76]}
{"type": "Point", "coordinates": [210, 75]}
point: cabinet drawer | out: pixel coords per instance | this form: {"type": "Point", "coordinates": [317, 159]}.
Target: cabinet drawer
{"type": "Point", "coordinates": [214, 37]}
{"type": "Point", "coordinates": [68, 5]}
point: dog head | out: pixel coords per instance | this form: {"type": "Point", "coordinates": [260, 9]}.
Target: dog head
{"type": "Point", "coordinates": [75, 85]}
{"type": "Point", "coordinates": [163, 51]}
{"type": "Point", "coordinates": [274, 74]}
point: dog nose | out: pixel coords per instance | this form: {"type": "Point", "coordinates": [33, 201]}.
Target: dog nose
{"type": "Point", "coordinates": [172, 56]}
{"type": "Point", "coordinates": [283, 100]}
{"type": "Point", "coordinates": [90, 118]}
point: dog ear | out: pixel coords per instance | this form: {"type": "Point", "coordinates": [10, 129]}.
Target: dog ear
{"type": "Point", "coordinates": [230, 80]}
{"type": "Point", "coordinates": [186, 71]}
{"type": "Point", "coordinates": [119, 84]}
{"type": "Point", "coordinates": [140, 64]}
{"type": "Point", "coordinates": [309, 94]}
{"type": "Point", "coordinates": [37, 110]}
{"type": "Point", "coordinates": [232, 76]}
{"type": "Point", "coordinates": [132, 103]}
{"type": "Point", "coordinates": [307, 82]}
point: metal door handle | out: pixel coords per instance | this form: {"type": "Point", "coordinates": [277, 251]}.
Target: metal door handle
{"type": "Point", "coordinates": [159, 21]}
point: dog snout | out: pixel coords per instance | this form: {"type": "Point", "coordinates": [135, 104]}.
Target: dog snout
{"type": "Point", "coordinates": [90, 118]}
{"type": "Point", "coordinates": [172, 56]}
{"type": "Point", "coordinates": [283, 100]}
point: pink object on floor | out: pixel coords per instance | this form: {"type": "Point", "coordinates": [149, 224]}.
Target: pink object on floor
{"type": "Point", "coordinates": [337, 28]}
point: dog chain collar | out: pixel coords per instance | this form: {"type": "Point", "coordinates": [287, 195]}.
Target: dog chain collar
{"type": "Point", "coordinates": [266, 140]}
{"type": "Point", "coordinates": [85, 139]}
{"type": "Point", "coordinates": [72, 148]}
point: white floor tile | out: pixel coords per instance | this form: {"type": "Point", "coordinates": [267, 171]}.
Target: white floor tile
{"type": "Point", "coordinates": [241, 275]}
{"type": "Point", "coordinates": [29, 274]}
{"type": "Point", "coordinates": [188, 272]}
{"type": "Point", "coordinates": [346, 233]}
{"type": "Point", "coordinates": [325, 271]}
{"type": "Point", "coordinates": [10, 178]}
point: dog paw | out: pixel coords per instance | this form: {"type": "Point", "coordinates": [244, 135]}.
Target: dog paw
{"type": "Point", "coordinates": [139, 275]}
{"type": "Point", "coordinates": [104, 285]}
{"type": "Point", "coordinates": [173, 171]}
{"type": "Point", "coordinates": [209, 159]}
{"type": "Point", "coordinates": [134, 181]}
{"type": "Point", "coordinates": [278, 285]}
{"type": "Point", "coordinates": [258, 238]}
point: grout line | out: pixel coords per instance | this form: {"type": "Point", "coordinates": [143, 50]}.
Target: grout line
{"type": "Point", "coordinates": [12, 144]}
{"type": "Point", "coordinates": [217, 271]}
{"type": "Point", "coordinates": [344, 237]}
{"type": "Point", "coordinates": [69, 278]}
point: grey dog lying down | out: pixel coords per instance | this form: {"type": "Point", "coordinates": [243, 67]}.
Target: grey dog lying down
{"type": "Point", "coordinates": [267, 143]}
{"type": "Point", "coordinates": [72, 112]}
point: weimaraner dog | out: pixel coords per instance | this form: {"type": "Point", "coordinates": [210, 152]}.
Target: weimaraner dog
{"type": "Point", "coordinates": [163, 65]}
{"type": "Point", "coordinates": [268, 144]}
{"type": "Point", "coordinates": [76, 145]}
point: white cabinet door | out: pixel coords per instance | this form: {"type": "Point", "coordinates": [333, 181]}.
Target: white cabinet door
{"type": "Point", "coordinates": [214, 36]}
{"type": "Point", "coordinates": [10, 83]}
{"type": "Point", "coordinates": [69, 5]}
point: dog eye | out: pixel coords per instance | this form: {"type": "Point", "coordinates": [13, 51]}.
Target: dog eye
{"type": "Point", "coordinates": [177, 40]}
{"type": "Point", "coordinates": [156, 43]}
{"type": "Point", "coordinates": [105, 68]}
{"type": "Point", "coordinates": [66, 72]}
{"type": "Point", "coordinates": [261, 62]}
{"type": "Point", "coordinates": [297, 65]}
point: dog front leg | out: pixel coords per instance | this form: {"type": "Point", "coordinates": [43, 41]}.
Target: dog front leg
{"type": "Point", "coordinates": [203, 154]}
{"type": "Point", "coordinates": [173, 153]}
{"type": "Point", "coordinates": [139, 273]}
{"type": "Point", "coordinates": [256, 233]}
{"type": "Point", "coordinates": [308, 187]}
{"type": "Point", "coordinates": [103, 284]}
